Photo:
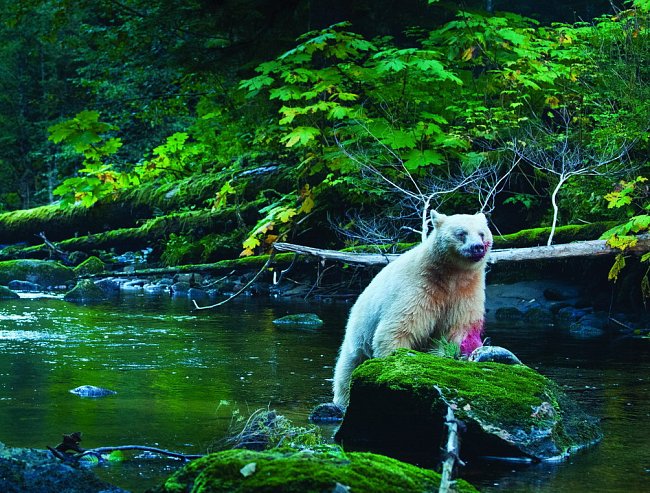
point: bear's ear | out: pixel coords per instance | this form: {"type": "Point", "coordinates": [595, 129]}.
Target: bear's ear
{"type": "Point", "coordinates": [437, 219]}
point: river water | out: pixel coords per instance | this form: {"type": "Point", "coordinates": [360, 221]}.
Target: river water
{"type": "Point", "coordinates": [183, 378]}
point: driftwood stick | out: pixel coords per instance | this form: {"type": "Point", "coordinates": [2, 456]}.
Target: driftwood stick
{"type": "Point", "coordinates": [53, 248]}
{"type": "Point", "coordinates": [234, 295]}
{"type": "Point", "coordinates": [452, 452]}
{"type": "Point", "coordinates": [143, 448]}
{"type": "Point", "coordinates": [577, 249]}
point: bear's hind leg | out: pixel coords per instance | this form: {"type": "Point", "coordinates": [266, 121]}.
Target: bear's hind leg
{"type": "Point", "coordinates": [345, 365]}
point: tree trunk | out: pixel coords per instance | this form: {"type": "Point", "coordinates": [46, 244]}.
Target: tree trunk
{"type": "Point", "coordinates": [577, 249]}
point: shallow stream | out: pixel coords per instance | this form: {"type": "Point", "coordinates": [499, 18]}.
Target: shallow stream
{"type": "Point", "coordinates": [183, 378]}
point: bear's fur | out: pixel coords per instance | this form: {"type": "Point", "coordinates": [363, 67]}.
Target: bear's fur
{"type": "Point", "coordinates": [435, 290]}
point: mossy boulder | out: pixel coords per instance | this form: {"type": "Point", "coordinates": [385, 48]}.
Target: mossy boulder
{"type": "Point", "coordinates": [85, 291]}
{"type": "Point", "coordinates": [43, 272]}
{"type": "Point", "coordinates": [508, 410]}
{"type": "Point", "coordinates": [7, 294]}
{"type": "Point", "coordinates": [301, 472]}
{"type": "Point", "coordinates": [38, 471]}
{"type": "Point", "coordinates": [92, 265]}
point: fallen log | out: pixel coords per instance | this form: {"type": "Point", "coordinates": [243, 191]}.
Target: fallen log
{"type": "Point", "coordinates": [567, 250]}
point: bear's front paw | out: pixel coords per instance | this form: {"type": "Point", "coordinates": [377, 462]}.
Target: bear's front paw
{"type": "Point", "coordinates": [495, 354]}
{"type": "Point", "coordinates": [326, 412]}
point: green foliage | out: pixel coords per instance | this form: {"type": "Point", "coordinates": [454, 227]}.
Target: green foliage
{"type": "Point", "coordinates": [632, 196]}
{"type": "Point", "coordinates": [98, 179]}
{"type": "Point", "coordinates": [277, 220]}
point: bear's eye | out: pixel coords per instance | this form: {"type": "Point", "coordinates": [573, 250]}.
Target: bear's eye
{"type": "Point", "coordinates": [461, 235]}
{"type": "Point", "coordinates": [482, 235]}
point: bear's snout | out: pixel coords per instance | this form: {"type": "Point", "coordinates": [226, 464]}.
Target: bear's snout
{"type": "Point", "coordinates": [477, 251]}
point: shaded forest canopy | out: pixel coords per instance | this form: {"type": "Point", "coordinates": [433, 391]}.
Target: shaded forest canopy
{"type": "Point", "coordinates": [321, 123]}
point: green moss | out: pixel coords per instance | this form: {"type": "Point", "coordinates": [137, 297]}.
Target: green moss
{"type": "Point", "coordinates": [511, 390]}
{"type": "Point", "coordinates": [563, 234]}
{"type": "Point", "coordinates": [512, 402]}
{"type": "Point", "coordinates": [301, 472]}
{"type": "Point", "coordinates": [43, 272]}
{"type": "Point", "coordinates": [85, 292]}
{"type": "Point", "coordinates": [92, 265]}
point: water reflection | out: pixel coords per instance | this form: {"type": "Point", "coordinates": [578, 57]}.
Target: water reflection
{"type": "Point", "coordinates": [181, 376]}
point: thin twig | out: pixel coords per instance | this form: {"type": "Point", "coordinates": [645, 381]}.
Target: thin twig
{"type": "Point", "coordinates": [232, 296]}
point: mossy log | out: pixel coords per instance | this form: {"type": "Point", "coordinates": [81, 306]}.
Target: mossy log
{"type": "Point", "coordinates": [150, 233]}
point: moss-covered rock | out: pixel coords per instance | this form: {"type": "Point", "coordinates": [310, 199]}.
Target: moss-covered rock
{"type": "Point", "coordinates": [43, 272]}
{"type": "Point", "coordinates": [37, 471]}
{"type": "Point", "coordinates": [508, 410]}
{"type": "Point", "coordinates": [7, 294]}
{"type": "Point", "coordinates": [92, 265]}
{"type": "Point", "coordinates": [85, 291]}
{"type": "Point", "coordinates": [301, 472]}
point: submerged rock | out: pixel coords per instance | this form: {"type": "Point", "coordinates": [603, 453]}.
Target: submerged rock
{"type": "Point", "coordinates": [37, 471]}
{"type": "Point", "coordinates": [7, 294]}
{"type": "Point", "coordinates": [508, 410]}
{"type": "Point", "coordinates": [304, 471]}
{"type": "Point", "coordinates": [31, 287]}
{"type": "Point", "coordinates": [310, 319]}
{"type": "Point", "coordinates": [327, 412]}
{"type": "Point", "coordinates": [85, 292]}
{"type": "Point", "coordinates": [92, 391]}
{"type": "Point", "coordinates": [43, 272]}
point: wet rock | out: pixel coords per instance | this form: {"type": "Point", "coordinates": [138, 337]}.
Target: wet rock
{"type": "Point", "coordinates": [508, 410]}
{"type": "Point", "coordinates": [110, 285]}
{"type": "Point", "coordinates": [508, 313]}
{"type": "Point", "coordinates": [197, 294]}
{"type": "Point", "coordinates": [184, 277]}
{"type": "Point", "coordinates": [308, 471]}
{"type": "Point", "coordinates": [539, 315]}
{"type": "Point", "coordinates": [155, 289]}
{"type": "Point", "coordinates": [568, 315]}
{"type": "Point", "coordinates": [92, 265]}
{"type": "Point", "coordinates": [37, 471]}
{"type": "Point", "coordinates": [24, 286]}
{"type": "Point", "coordinates": [7, 294]}
{"type": "Point", "coordinates": [92, 391]}
{"type": "Point", "coordinates": [43, 272]}
{"type": "Point", "coordinates": [133, 286]}
{"type": "Point", "coordinates": [180, 288]}
{"type": "Point", "coordinates": [495, 354]}
{"type": "Point", "coordinates": [85, 292]}
{"type": "Point", "coordinates": [327, 412]}
{"type": "Point", "coordinates": [299, 319]}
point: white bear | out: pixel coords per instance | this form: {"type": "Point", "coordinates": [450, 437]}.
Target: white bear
{"type": "Point", "coordinates": [435, 290]}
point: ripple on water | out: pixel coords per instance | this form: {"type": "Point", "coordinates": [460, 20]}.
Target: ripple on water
{"type": "Point", "coordinates": [29, 335]}
{"type": "Point", "coordinates": [15, 317]}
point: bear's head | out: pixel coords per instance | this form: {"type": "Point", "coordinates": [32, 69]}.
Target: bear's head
{"type": "Point", "coordinates": [463, 237]}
